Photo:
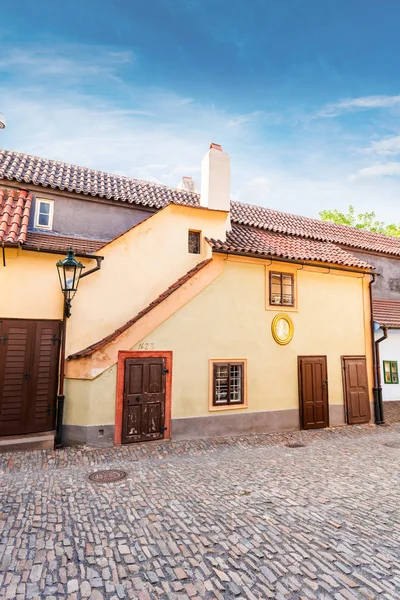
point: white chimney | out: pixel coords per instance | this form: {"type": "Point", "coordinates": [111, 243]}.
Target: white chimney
{"type": "Point", "coordinates": [188, 184]}
{"type": "Point", "coordinates": [216, 179]}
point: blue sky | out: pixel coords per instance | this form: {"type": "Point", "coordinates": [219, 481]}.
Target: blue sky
{"type": "Point", "coordinates": [303, 94]}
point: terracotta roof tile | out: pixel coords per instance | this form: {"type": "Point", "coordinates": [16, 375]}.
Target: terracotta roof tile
{"type": "Point", "coordinates": [112, 336]}
{"type": "Point", "coordinates": [59, 175]}
{"type": "Point", "coordinates": [61, 243]}
{"type": "Point", "coordinates": [387, 312]}
{"type": "Point", "coordinates": [50, 173]}
{"type": "Point", "coordinates": [15, 206]}
{"type": "Point", "coordinates": [251, 240]}
{"type": "Point", "coordinates": [279, 222]}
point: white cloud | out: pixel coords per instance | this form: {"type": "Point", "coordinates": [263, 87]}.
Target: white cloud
{"type": "Point", "coordinates": [388, 146]}
{"type": "Point", "coordinates": [378, 170]}
{"type": "Point", "coordinates": [356, 104]}
{"type": "Point", "coordinates": [98, 118]}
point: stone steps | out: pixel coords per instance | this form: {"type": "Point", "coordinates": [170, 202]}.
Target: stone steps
{"type": "Point", "coordinates": [30, 441]}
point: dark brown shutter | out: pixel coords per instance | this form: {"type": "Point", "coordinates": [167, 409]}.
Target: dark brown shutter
{"type": "Point", "coordinates": [43, 388]}
{"type": "Point", "coordinates": [16, 339]}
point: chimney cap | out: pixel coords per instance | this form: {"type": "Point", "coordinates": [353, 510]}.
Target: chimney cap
{"type": "Point", "coordinates": [216, 146]}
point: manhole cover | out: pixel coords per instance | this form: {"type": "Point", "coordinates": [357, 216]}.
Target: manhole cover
{"type": "Point", "coordinates": [108, 476]}
{"type": "Point", "coordinates": [295, 445]}
{"type": "Point", "coordinates": [392, 444]}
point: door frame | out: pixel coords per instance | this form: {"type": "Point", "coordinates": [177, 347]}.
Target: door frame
{"type": "Point", "coordinates": [119, 402]}
{"type": "Point", "coordinates": [343, 358]}
{"type": "Point", "coordinates": [301, 412]}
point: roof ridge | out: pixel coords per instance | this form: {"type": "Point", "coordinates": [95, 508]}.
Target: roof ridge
{"type": "Point", "coordinates": [89, 350]}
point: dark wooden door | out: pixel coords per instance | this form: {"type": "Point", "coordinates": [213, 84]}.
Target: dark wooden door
{"type": "Point", "coordinates": [28, 375]}
{"type": "Point", "coordinates": [313, 388]}
{"type": "Point", "coordinates": [144, 400]}
{"type": "Point", "coordinates": [356, 390]}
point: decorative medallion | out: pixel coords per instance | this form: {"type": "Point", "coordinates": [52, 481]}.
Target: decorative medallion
{"type": "Point", "coordinates": [107, 476]}
{"type": "Point", "coordinates": [282, 329]}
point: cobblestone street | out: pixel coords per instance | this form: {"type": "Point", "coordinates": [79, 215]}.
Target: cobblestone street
{"type": "Point", "coordinates": [237, 518]}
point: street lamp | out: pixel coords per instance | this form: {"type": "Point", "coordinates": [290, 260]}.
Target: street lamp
{"type": "Point", "coordinates": [69, 273]}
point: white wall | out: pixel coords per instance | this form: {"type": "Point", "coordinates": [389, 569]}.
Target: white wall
{"type": "Point", "coordinates": [390, 350]}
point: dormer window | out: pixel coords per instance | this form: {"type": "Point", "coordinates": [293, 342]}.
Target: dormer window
{"type": "Point", "coordinates": [44, 214]}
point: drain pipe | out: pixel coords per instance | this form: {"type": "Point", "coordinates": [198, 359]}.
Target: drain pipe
{"type": "Point", "coordinates": [379, 417]}
{"type": "Point", "coordinates": [377, 389]}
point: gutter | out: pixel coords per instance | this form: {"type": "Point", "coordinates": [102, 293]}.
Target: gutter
{"type": "Point", "coordinates": [360, 271]}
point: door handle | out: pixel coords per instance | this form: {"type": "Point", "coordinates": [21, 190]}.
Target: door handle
{"type": "Point", "coordinates": [137, 398]}
{"type": "Point", "coordinates": [26, 375]}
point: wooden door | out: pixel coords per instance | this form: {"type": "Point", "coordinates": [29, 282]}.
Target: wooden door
{"type": "Point", "coordinates": [43, 382]}
{"type": "Point", "coordinates": [144, 400]}
{"type": "Point", "coordinates": [28, 375]}
{"type": "Point", "coordinates": [356, 389]}
{"type": "Point", "coordinates": [313, 392]}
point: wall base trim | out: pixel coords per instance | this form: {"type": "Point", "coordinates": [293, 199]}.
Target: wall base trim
{"type": "Point", "coordinates": [93, 435]}
{"type": "Point", "coordinates": [238, 424]}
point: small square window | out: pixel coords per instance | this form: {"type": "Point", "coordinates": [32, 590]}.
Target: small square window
{"type": "Point", "coordinates": [44, 214]}
{"type": "Point", "coordinates": [228, 383]}
{"type": "Point", "coordinates": [390, 371]}
{"type": "Point", "coordinates": [281, 289]}
{"type": "Point", "coordinates": [194, 242]}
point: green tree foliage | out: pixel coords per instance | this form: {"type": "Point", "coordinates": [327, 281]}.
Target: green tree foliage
{"type": "Point", "coordinates": [365, 220]}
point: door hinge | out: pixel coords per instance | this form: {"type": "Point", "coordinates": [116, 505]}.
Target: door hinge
{"type": "Point", "coordinates": [165, 371]}
{"type": "Point", "coordinates": [51, 409]}
{"type": "Point", "coordinates": [162, 429]}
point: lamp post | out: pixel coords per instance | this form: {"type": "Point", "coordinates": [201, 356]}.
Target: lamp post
{"type": "Point", "coordinates": [69, 273]}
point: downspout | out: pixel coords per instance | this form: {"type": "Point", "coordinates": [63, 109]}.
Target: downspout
{"type": "Point", "coordinates": [379, 417]}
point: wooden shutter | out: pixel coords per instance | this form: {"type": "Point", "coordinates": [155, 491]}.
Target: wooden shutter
{"type": "Point", "coordinates": [43, 388]}
{"type": "Point", "coordinates": [16, 338]}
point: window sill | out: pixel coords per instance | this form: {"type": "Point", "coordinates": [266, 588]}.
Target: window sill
{"type": "Point", "coordinates": [279, 308]}
{"type": "Point", "coordinates": [227, 407]}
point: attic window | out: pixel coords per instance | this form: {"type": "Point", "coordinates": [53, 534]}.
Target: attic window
{"type": "Point", "coordinates": [44, 214]}
{"type": "Point", "coordinates": [194, 242]}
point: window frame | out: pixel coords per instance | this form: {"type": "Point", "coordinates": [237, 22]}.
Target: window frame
{"type": "Point", "coordinates": [391, 372]}
{"type": "Point", "coordinates": [38, 202]}
{"type": "Point", "coordinates": [281, 274]}
{"type": "Point", "coordinates": [198, 233]}
{"type": "Point", "coordinates": [213, 363]}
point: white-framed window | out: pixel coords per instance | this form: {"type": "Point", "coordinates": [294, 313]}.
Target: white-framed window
{"type": "Point", "coordinates": [44, 214]}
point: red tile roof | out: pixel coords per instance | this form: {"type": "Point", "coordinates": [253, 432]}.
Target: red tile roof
{"type": "Point", "coordinates": [250, 240]}
{"type": "Point", "coordinates": [72, 178]}
{"type": "Point", "coordinates": [50, 173]}
{"type": "Point", "coordinates": [61, 243]}
{"type": "Point", "coordinates": [15, 207]}
{"type": "Point", "coordinates": [273, 220]}
{"type": "Point", "coordinates": [387, 312]}
{"type": "Point", "coordinates": [112, 336]}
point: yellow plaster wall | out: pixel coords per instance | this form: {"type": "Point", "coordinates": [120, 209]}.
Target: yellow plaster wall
{"type": "Point", "coordinates": [29, 286]}
{"type": "Point", "coordinates": [137, 267]}
{"type": "Point", "coordinates": [228, 319]}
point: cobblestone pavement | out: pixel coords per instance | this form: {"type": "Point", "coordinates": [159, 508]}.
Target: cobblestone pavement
{"type": "Point", "coordinates": [237, 518]}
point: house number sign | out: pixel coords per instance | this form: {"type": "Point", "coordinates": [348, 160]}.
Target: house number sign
{"type": "Point", "coordinates": [282, 329]}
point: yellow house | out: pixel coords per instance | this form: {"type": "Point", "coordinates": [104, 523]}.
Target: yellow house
{"type": "Point", "coordinates": [199, 322]}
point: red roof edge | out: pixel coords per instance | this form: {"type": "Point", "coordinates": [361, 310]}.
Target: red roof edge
{"type": "Point", "coordinates": [112, 336]}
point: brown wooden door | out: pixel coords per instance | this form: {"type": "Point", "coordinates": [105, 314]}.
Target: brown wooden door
{"type": "Point", "coordinates": [356, 389]}
{"type": "Point", "coordinates": [28, 375]}
{"type": "Point", "coordinates": [144, 400]}
{"type": "Point", "coordinates": [313, 392]}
